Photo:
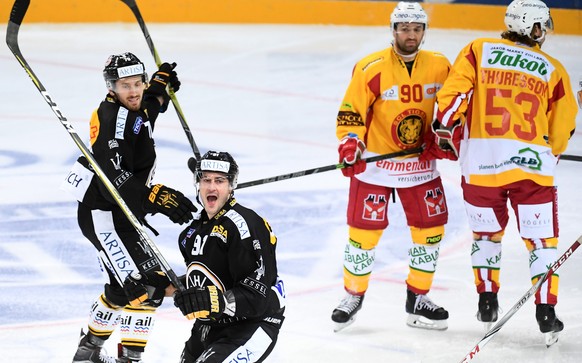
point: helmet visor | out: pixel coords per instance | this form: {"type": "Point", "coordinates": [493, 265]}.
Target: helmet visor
{"type": "Point", "coordinates": [549, 24]}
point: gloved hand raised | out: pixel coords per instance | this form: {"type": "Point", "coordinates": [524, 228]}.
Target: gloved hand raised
{"type": "Point", "coordinates": [146, 289]}
{"type": "Point", "coordinates": [169, 202]}
{"type": "Point", "coordinates": [161, 78]}
{"type": "Point", "coordinates": [350, 152]}
{"type": "Point", "coordinates": [200, 302]}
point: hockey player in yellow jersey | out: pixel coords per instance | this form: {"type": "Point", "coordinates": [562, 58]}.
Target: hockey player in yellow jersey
{"type": "Point", "coordinates": [519, 114]}
{"type": "Point", "coordinates": [388, 107]}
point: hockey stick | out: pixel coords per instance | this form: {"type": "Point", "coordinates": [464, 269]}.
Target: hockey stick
{"type": "Point", "coordinates": [16, 16]}
{"type": "Point", "coordinates": [570, 157]}
{"type": "Point", "coordinates": [495, 329]}
{"type": "Point", "coordinates": [319, 170]}
{"type": "Point", "coordinates": [133, 6]}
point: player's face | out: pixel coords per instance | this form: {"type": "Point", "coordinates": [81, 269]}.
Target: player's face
{"type": "Point", "coordinates": [214, 191]}
{"type": "Point", "coordinates": [130, 92]}
{"type": "Point", "coordinates": [407, 37]}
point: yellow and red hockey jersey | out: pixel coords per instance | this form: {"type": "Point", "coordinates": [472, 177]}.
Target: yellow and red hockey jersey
{"type": "Point", "coordinates": [392, 110]}
{"type": "Point", "coordinates": [520, 112]}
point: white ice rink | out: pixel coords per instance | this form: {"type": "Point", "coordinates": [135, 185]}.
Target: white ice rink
{"type": "Point", "coordinates": [269, 95]}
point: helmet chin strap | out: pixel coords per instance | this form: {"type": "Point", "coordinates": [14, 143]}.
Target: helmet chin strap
{"type": "Point", "coordinates": [540, 39]}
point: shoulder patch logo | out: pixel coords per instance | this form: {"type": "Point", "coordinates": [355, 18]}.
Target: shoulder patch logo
{"type": "Point", "coordinates": [120, 122]}
{"type": "Point", "coordinates": [240, 223]}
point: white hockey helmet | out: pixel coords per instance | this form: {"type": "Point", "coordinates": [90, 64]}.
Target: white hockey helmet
{"type": "Point", "coordinates": [521, 15]}
{"type": "Point", "coordinates": [408, 12]}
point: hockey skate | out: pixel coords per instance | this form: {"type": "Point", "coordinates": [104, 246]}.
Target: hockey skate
{"type": "Point", "coordinates": [128, 355]}
{"type": "Point", "coordinates": [423, 313]}
{"type": "Point", "coordinates": [91, 350]}
{"type": "Point", "coordinates": [549, 323]}
{"type": "Point", "coordinates": [345, 313]}
{"type": "Point", "coordinates": [488, 309]}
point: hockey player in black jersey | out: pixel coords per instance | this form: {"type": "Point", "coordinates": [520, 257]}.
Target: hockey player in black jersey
{"type": "Point", "coordinates": [123, 146]}
{"type": "Point", "coordinates": [232, 287]}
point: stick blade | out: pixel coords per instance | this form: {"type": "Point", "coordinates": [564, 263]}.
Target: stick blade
{"type": "Point", "coordinates": [18, 10]}
{"type": "Point", "coordinates": [192, 165]}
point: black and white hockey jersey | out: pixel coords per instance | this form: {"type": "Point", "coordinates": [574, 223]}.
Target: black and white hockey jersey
{"type": "Point", "coordinates": [123, 146]}
{"type": "Point", "coordinates": [235, 251]}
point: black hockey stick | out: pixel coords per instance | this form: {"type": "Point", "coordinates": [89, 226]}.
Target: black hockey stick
{"type": "Point", "coordinates": [16, 16]}
{"type": "Point", "coordinates": [570, 157]}
{"type": "Point", "coordinates": [133, 6]}
{"type": "Point", "coordinates": [320, 169]}
{"type": "Point", "coordinates": [495, 329]}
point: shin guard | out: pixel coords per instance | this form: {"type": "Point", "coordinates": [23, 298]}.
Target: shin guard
{"type": "Point", "coordinates": [358, 266]}
{"type": "Point", "coordinates": [539, 260]}
{"type": "Point", "coordinates": [103, 318]}
{"type": "Point", "coordinates": [422, 265]}
{"type": "Point", "coordinates": [486, 260]}
{"type": "Point", "coordinates": [136, 326]}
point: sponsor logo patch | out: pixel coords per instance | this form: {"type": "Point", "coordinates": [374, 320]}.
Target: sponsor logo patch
{"type": "Point", "coordinates": [435, 202]}
{"type": "Point", "coordinates": [137, 125]}
{"type": "Point", "coordinates": [375, 208]}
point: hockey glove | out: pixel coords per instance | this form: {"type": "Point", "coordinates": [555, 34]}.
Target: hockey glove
{"type": "Point", "coordinates": [146, 289]}
{"type": "Point", "coordinates": [350, 153]}
{"type": "Point", "coordinates": [200, 302]}
{"type": "Point", "coordinates": [449, 138]}
{"type": "Point", "coordinates": [170, 203]}
{"type": "Point", "coordinates": [442, 143]}
{"type": "Point", "coordinates": [160, 79]}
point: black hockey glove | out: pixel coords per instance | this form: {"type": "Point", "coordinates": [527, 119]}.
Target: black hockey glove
{"type": "Point", "coordinates": [160, 79]}
{"type": "Point", "coordinates": [146, 289]}
{"type": "Point", "coordinates": [170, 203]}
{"type": "Point", "coordinates": [200, 302]}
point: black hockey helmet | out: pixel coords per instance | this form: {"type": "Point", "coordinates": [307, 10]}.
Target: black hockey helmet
{"type": "Point", "coordinates": [120, 66]}
{"type": "Point", "coordinates": [216, 161]}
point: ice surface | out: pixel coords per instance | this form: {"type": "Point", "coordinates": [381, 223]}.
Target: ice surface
{"type": "Point", "coordinates": [269, 95]}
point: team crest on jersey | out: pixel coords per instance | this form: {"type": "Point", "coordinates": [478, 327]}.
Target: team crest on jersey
{"type": "Point", "coordinates": [435, 202]}
{"type": "Point", "coordinates": [375, 207]}
{"type": "Point", "coordinates": [408, 128]}
{"type": "Point", "coordinates": [200, 275]}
